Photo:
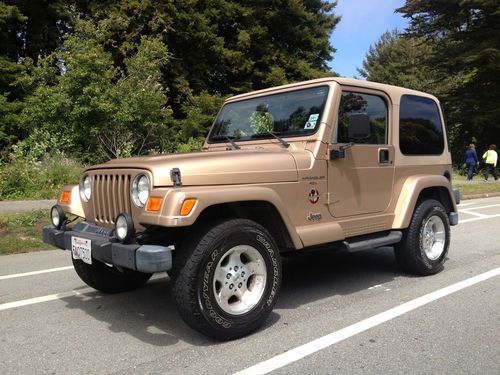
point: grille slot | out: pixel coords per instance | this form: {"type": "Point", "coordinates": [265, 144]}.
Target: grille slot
{"type": "Point", "coordinates": [111, 196]}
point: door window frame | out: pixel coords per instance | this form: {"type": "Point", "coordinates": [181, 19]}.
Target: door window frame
{"type": "Point", "coordinates": [367, 91]}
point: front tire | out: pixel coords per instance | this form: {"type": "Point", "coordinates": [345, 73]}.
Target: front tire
{"type": "Point", "coordinates": [425, 243]}
{"type": "Point", "coordinates": [109, 279]}
{"type": "Point", "coordinates": [228, 279]}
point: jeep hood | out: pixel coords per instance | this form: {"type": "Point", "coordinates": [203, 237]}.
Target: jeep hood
{"type": "Point", "coordinates": [214, 167]}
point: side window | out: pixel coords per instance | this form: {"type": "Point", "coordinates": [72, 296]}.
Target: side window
{"type": "Point", "coordinates": [374, 106]}
{"type": "Point", "coordinates": [420, 128]}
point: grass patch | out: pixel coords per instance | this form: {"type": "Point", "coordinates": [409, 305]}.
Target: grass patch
{"type": "Point", "coordinates": [458, 176]}
{"type": "Point", "coordinates": [479, 187]}
{"type": "Point", "coordinates": [22, 232]}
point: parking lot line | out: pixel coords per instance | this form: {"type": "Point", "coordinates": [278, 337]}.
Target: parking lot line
{"type": "Point", "coordinates": [473, 213]}
{"type": "Point", "coordinates": [478, 218]}
{"type": "Point", "coordinates": [321, 343]}
{"type": "Point", "coordinates": [12, 276]}
{"type": "Point", "coordinates": [466, 204]}
{"type": "Point", "coordinates": [488, 206]}
{"type": "Point", "coordinates": [50, 297]}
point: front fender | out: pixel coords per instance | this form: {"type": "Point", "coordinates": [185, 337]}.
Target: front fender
{"type": "Point", "coordinates": [169, 215]}
{"type": "Point", "coordinates": [75, 204]}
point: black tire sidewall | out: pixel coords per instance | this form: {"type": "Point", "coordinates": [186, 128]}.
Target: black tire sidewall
{"type": "Point", "coordinates": [248, 235]}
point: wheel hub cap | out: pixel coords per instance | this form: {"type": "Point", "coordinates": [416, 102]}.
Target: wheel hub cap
{"type": "Point", "coordinates": [433, 237]}
{"type": "Point", "coordinates": [239, 279]}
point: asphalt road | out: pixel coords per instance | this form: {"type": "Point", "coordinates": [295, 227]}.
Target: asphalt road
{"type": "Point", "coordinates": [52, 323]}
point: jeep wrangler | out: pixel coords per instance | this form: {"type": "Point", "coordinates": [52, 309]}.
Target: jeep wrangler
{"type": "Point", "coordinates": [332, 163]}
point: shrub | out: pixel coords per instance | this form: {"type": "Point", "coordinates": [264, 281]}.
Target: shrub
{"type": "Point", "coordinates": [27, 179]}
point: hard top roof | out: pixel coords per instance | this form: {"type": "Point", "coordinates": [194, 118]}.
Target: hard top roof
{"type": "Point", "coordinates": [394, 92]}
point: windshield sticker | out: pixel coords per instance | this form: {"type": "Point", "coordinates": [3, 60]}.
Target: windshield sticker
{"type": "Point", "coordinates": [310, 125]}
{"type": "Point", "coordinates": [313, 117]}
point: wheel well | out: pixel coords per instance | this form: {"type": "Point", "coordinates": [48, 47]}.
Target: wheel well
{"type": "Point", "coordinates": [261, 212]}
{"type": "Point", "coordinates": [440, 194]}
{"type": "Point", "coordinates": [447, 175]}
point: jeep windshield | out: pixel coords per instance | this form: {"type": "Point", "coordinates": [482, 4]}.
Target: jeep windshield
{"type": "Point", "coordinates": [287, 114]}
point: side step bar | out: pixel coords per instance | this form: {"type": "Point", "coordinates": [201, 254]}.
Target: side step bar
{"type": "Point", "coordinates": [374, 242]}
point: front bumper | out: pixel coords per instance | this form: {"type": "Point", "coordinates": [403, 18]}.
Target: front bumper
{"type": "Point", "coordinates": [143, 258]}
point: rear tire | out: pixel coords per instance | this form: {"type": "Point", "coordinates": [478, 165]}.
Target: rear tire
{"type": "Point", "coordinates": [109, 279]}
{"type": "Point", "coordinates": [424, 246]}
{"type": "Point", "coordinates": [227, 279]}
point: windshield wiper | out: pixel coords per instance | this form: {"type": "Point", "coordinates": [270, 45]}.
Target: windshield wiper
{"type": "Point", "coordinates": [221, 136]}
{"type": "Point", "coordinates": [281, 140]}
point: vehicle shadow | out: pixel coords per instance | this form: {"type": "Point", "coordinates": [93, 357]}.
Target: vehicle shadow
{"type": "Point", "coordinates": [315, 276]}
{"type": "Point", "coordinates": [149, 313]}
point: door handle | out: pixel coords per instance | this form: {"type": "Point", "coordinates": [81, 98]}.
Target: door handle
{"type": "Point", "coordinates": [383, 156]}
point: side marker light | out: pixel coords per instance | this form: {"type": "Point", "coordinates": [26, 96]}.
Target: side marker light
{"type": "Point", "coordinates": [187, 206]}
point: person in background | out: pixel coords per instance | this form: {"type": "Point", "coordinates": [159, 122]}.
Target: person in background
{"type": "Point", "coordinates": [471, 161]}
{"type": "Point", "coordinates": [490, 157]}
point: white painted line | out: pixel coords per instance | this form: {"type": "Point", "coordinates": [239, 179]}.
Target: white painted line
{"type": "Point", "coordinates": [473, 213]}
{"type": "Point", "coordinates": [477, 218]}
{"type": "Point", "coordinates": [489, 206]}
{"type": "Point", "coordinates": [466, 204]}
{"type": "Point", "coordinates": [321, 343]}
{"type": "Point", "coordinates": [50, 297]}
{"type": "Point", "coordinates": [12, 276]}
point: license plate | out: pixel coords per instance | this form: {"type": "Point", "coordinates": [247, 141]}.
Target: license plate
{"type": "Point", "coordinates": [81, 249]}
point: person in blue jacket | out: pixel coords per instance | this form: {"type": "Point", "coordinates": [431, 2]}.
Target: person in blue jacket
{"type": "Point", "coordinates": [471, 161]}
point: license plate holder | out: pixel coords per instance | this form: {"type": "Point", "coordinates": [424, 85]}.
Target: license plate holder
{"type": "Point", "coordinates": [81, 248]}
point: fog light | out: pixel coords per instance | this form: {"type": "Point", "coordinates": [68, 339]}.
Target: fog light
{"type": "Point", "coordinates": [57, 216]}
{"type": "Point", "coordinates": [124, 227]}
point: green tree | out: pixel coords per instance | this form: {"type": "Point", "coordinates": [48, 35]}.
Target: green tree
{"type": "Point", "coordinates": [404, 61]}
{"type": "Point", "coordinates": [104, 110]}
{"type": "Point", "coordinates": [216, 48]}
{"type": "Point", "coordinates": [10, 16]}
{"type": "Point", "coordinates": [465, 36]}
{"type": "Point", "coordinates": [225, 46]}
{"type": "Point", "coordinates": [29, 30]}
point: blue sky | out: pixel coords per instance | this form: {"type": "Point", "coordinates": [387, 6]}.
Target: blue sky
{"type": "Point", "coordinates": [362, 24]}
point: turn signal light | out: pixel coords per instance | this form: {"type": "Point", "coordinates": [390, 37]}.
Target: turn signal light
{"type": "Point", "coordinates": [187, 206]}
{"type": "Point", "coordinates": [154, 204]}
{"type": "Point", "coordinates": [65, 197]}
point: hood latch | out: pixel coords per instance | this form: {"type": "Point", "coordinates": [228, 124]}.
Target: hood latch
{"type": "Point", "coordinates": [175, 176]}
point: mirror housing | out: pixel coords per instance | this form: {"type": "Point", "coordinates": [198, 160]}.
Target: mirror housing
{"type": "Point", "coordinates": [359, 126]}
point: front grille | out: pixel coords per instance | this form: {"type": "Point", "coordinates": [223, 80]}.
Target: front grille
{"type": "Point", "coordinates": [110, 196]}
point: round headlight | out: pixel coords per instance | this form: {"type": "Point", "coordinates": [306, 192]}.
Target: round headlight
{"type": "Point", "coordinates": [86, 188]}
{"type": "Point", "coordinates": [124, 227]}
{"type": "Point", "coordinates": [57, 216]}
{"type": "Point", "coordinates": [140, 190]}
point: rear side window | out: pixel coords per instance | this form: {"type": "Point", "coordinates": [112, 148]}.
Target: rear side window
{"type": "Point", "coordinates": [420, 127]}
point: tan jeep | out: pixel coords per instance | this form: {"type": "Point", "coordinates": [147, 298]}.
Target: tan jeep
{"type": "Point", "coordinates": [332, 163]}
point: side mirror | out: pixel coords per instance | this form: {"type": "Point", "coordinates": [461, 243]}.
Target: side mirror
{"type": "Point", "coordinates": [359, 127]}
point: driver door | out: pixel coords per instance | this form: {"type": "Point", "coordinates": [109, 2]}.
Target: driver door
{"type": "Point", "coordinates": [360, 178]}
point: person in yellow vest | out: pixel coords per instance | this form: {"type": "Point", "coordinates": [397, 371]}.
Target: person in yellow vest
{"type": "Point", "coordinates": [490, 157]}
